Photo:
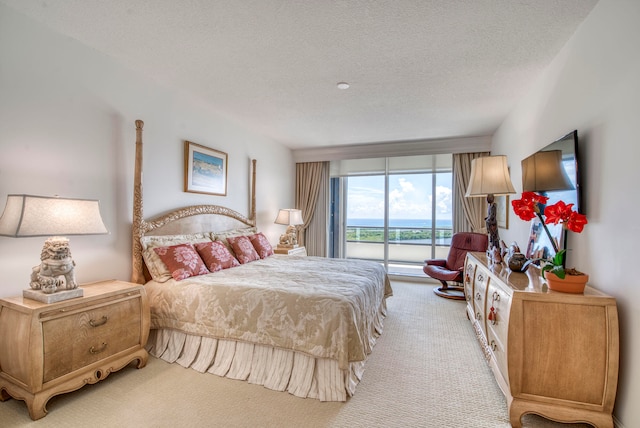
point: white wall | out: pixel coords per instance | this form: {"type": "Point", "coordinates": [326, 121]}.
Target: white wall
{"type": "Point", "coordinates": [67, 127]}
{"type": "Point", "coordinates": [594, 86]}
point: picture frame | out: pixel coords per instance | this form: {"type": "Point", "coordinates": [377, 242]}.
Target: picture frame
{"type": "Point", "coordinates": [538, 244]}
{"type": "Point", "coordinates": [502, 211]}
{"type": "Point", "coordinates": [205, 170]}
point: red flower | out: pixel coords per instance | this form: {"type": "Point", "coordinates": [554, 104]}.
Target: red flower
{"type": "Point", "coordinates": [527, 207]}
{"type": "Point", "coordinates": [563, 213]}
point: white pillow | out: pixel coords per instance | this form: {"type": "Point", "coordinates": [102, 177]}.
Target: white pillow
{"type": "Point", "coordinates": [156, 266]}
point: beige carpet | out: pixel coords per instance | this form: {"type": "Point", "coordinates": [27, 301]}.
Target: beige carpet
{"type": "Point", "coordinates": [426, 371]}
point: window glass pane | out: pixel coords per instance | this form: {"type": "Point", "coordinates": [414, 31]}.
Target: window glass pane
{"type": "Point", "coordinates": [365, 218]}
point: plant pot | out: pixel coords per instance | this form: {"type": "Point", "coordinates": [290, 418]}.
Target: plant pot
{"type": "Point", "coordinates": [570, 283]}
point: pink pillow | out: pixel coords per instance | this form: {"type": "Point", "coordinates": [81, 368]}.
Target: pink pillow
{"type": "Point", "coordinates": [243, 248]}
{"type": "Point", "coordinates": [261, 245]}
{"type": "Point", "coordinates": [182, 261]}
{"type": "Point", "coordinates": [216, 256]}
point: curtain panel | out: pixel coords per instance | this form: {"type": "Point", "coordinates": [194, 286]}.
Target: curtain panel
{"type": "Point", "coordinates": [312, 197]}
{"type": "Point", "coordinates": [468, 213]}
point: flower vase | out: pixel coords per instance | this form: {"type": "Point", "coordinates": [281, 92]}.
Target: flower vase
{"type": "Point", "coordinates": [570, 283]}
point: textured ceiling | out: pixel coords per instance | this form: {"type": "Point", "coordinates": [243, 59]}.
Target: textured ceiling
{"type": "Point", "coordinates": [420, 69]}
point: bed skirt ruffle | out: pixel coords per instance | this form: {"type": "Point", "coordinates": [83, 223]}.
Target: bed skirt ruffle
{"type": "Point", "coordinates": [274, 368]}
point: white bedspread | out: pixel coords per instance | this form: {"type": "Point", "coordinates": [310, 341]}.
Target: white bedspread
{"type": "Point", "coordinates": [325, 308]}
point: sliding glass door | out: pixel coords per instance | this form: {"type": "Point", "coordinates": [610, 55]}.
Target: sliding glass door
{"type": "Point", "coordinates": [393, 210]}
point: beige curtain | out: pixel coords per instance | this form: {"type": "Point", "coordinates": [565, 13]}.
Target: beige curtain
{"type": "Point", "coordinates": [312, 195]}
{"type": "Point", "coordinates": [468, 213]}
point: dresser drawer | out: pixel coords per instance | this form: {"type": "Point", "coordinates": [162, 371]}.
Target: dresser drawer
{"type": "Point", "coordinates": [76, 340]}
{"type": "Point", "coordinates": [479, 297]}
{"type": "Point", "coordinates": [469, 274]}
{"type": "Point", "coordinates": [498, 319]}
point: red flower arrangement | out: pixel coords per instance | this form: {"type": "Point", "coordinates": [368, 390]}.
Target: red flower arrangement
{"type": "Point", "coordinates": [528, 207]}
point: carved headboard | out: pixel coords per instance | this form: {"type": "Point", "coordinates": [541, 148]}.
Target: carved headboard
{"type": "Point", "coordinates": [190, 219]}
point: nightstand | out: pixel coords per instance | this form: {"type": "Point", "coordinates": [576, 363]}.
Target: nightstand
{"type": "Point", "coordinates": [298, 251]}
{"type": "Point", "coordinates": [49, 349]}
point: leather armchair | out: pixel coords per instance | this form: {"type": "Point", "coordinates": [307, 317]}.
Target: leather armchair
{"type": "Point", "coordinates": [451, 269]}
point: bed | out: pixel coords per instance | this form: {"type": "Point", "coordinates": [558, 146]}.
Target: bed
{"type": "Point", "coordinates": [305, 325]}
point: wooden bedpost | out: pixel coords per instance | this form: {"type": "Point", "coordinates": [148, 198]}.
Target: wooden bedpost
{"type": "Point", "coordinates": [137, 274]}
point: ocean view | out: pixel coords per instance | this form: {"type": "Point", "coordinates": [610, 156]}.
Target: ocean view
{"type": "Point", "coordinates": [417, 223]}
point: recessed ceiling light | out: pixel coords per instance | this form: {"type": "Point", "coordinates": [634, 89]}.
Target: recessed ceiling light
{"type": "Point", "coordinates": [343, 85]}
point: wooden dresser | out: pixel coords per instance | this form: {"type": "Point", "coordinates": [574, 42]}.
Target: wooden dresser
{"type": "Point", "coordinates": [553, 354]}
{"type": "Point", "coordinates": [49, 349]}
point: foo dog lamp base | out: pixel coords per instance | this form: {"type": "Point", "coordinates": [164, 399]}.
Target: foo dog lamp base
{"type": "Point", "coordinates": [58, 296]}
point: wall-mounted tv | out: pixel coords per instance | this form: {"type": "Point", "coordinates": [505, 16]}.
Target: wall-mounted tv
{"type": "Point", "coordinates": [568, 151]}
{"type": "Point", "coordinates": [565, 153]}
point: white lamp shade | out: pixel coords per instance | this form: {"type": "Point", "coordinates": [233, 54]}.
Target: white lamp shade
{"type": "Point", "coordinates": [489, 176]}
{"type": "Point", "coordinates": [290, 217]}
{"type": "Point", "coordinates": [27, 215]}
{"type": "Point", "coordinates": [543, 171]}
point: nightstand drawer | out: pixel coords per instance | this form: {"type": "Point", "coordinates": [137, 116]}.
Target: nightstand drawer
{"type": "Point", "coordinates": [75, 341]}
{"type": "Point", "coordinates": [50, 349]}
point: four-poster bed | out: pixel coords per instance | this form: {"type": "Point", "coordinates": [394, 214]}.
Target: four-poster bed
{"type": "Point", "coordinates": [301, 324]}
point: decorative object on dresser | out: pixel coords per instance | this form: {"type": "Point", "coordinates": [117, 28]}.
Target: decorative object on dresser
{"type": "Point", "coordinates": [50, 349]}
{"type": "Point", "coordinates": [530, 206]}
{"type": "Point", "coordinates": [26, 215]}
{"type": "Point", "coordinates": [205, 170]}
{"type": "Point", "coordinates": [291, 218]}
{"type": "Point", "coordinates": [552, 354]}
{"type": "Point", "coordinates": [490, 177]}
{"type": "Point", "coordinates": [450, 269]}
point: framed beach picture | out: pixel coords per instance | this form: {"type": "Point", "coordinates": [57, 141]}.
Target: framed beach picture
{"type": "Point", "coordinates": [205, 170]}
{"type": "Point", "coordinates": [502, 211]}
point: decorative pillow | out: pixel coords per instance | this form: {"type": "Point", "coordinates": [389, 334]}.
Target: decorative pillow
{"type": "Point", "coordinates": [243, 248]}
{"type": "Point", "coordinates": [261, 245]}
{"type": "Point", "coordinates": [182, 260]}
{"type": "Point", "coordinates": [216, 256]}
{"type": "Point", "coordinates": [224, 235]}
{"type": "Point", "coordinates": [157, 268]}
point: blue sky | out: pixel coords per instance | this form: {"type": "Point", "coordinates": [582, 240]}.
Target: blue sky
{"type": "Point", "coordinates": [410, 196]}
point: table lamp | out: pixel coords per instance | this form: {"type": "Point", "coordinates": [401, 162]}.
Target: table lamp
{"type": "Point", "coordinates": [490, 177]}
{"type": "Point", "coordinates": [53, 280]}
{"type": "Point", "coordinates": [292, 218]}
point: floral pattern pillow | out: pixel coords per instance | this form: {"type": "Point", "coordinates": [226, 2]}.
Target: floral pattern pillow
{"type": "Point", "coordinates": [261, 245]}
{"type": "Point", "coordinates": [243, 248]}
{"type": "Point", "coordinates": [182, 261]}
{"type": "Point", "coordinates": [216, 256]}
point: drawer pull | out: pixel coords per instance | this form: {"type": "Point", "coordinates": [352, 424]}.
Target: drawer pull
{"type": "Point", "coordinates": [496, 296]}
{"type": "Point", "coordinates": [478, 296]}
{"type": "Point", "coordinates": [94, 351]}
{"type": "Point", "coordinates": [478, 316]}
{"type": "Point", "coordinates": [493, 345]}
{"type": "Point", "coordinates": [100, 322]}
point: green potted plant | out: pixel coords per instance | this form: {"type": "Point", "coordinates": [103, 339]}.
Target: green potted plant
{"type": "Point", "coordinates": [558, 277]}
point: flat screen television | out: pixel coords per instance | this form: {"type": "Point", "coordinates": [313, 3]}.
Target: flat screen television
{"type": "Point", "coordinates": [568, 145]}
{"type": "Point", "coordinates": [538, 245]}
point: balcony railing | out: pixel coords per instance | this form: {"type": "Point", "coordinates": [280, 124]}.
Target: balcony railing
{"type": "Point", "coordinates": [407, 245]}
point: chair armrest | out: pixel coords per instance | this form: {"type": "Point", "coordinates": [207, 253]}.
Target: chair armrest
{"type": "Point", "coordinates": [436, 262]}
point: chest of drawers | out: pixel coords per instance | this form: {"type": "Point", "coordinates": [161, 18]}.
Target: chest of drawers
{"type": "Point", "coordinates": [48, 349]}
{"type": "Point", "coordinates": [553, 354]}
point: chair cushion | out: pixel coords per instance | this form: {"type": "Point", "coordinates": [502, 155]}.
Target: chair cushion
{"type": "Point", "coordinates": [461, 244]}
{"type": "Point", "coordinates": [442, 273]}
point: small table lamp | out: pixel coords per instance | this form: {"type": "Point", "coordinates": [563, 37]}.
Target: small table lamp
{"type": "Point", "coordinates": [26, 215]}
{"type": "Point", "coordinates": [291, 218]}
{"type": "Point", "coordinates": [490, 177]}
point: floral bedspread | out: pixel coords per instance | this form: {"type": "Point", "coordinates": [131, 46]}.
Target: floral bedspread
{"type": "Point", "coordinates": [327, 308]}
